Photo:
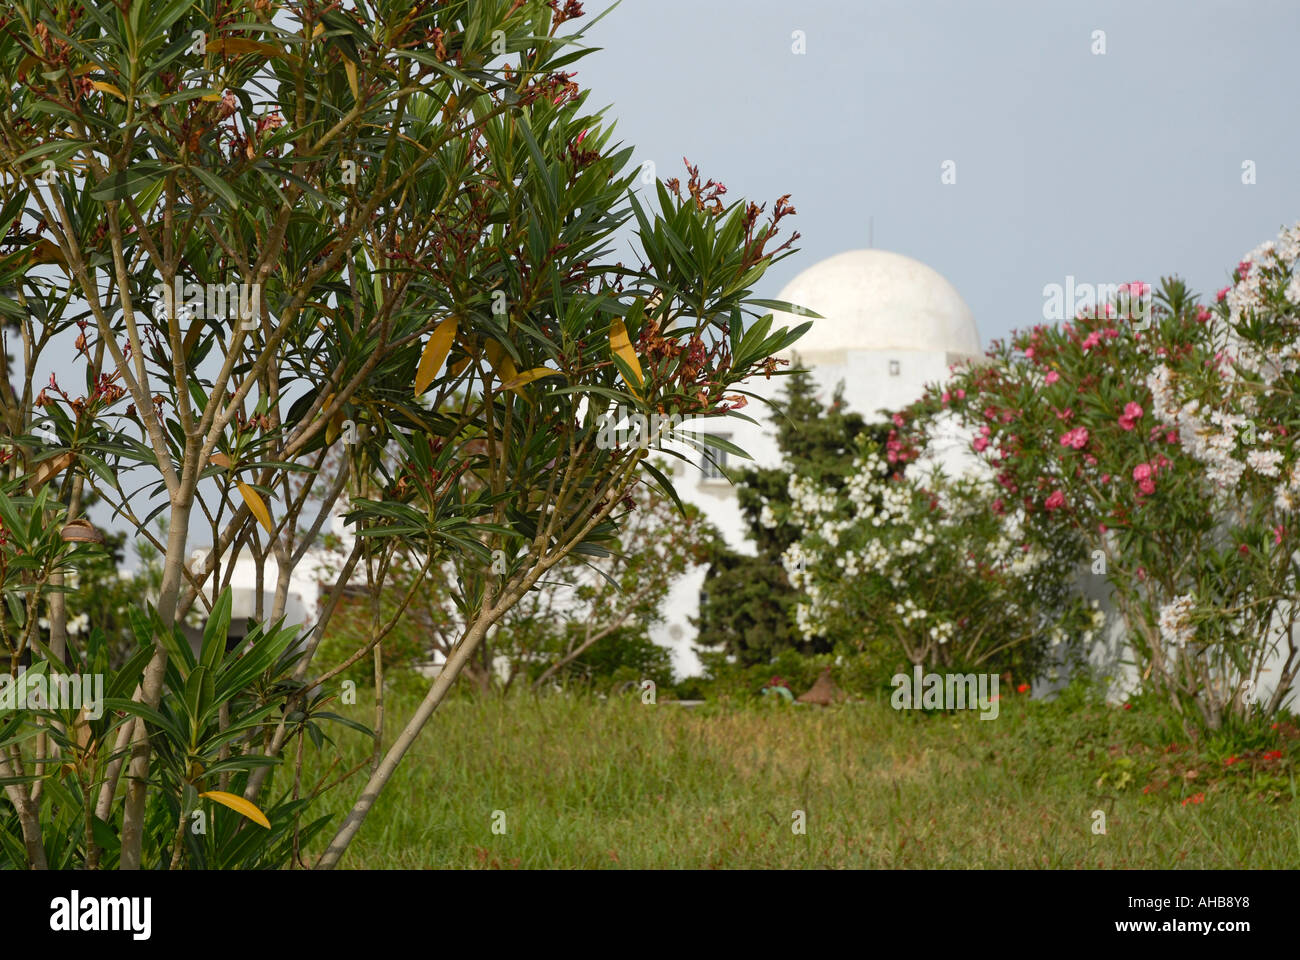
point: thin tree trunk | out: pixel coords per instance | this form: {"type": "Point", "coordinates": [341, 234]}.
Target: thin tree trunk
{"type": "Point", "coordinates": [375, 785]}
{"type": "Point", "coordinates": [28, 818]}
{"type": "Point", "coordinates": [151, 687]}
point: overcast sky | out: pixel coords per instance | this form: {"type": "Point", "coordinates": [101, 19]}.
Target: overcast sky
{"type": "Point", "coordinates": [1121, 166]}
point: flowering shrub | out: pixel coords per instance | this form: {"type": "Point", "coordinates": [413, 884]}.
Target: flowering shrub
{"type": "Point", "coordinates": [1162, 453]}
{"type": "Point", "coordinates": [914, 561]}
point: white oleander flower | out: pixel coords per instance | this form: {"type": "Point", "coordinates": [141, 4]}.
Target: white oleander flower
{"type": "Point", "coordinates": [1175, 624]}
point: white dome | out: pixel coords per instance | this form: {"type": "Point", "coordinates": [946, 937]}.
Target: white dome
{"type": "Point", "coordinates": [877, 300]}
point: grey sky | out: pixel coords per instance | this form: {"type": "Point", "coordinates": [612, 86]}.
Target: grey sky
{"type": "Point", "coordinates": [1111, 168]}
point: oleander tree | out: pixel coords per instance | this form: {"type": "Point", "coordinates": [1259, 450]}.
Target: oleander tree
{"type": "Point", "coordinates": [1153, 438]}
{"type": "Point", "coordinates": [272, 237]}
{"type": "Point", "coordinates": [908, 561]}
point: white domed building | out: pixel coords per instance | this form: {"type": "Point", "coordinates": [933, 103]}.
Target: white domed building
{"type": "Point", "coordinates": [888, 326]}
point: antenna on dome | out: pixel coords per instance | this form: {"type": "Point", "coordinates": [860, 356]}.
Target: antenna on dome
{"type": "Point", "coordinates": [871, 231]}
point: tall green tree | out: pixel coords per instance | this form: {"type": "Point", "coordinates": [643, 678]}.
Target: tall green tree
{"type": "Point", "coordinates": [271, 231]}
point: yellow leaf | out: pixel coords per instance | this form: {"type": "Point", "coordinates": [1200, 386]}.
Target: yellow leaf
{"type": "Point", "coordinates": [620, 345]}
{"type": "Point", "coordinates": [335, 424]}
{"type": "Point", "coordinates": [501, 362]}
{"type": "Point", "coordinates": [456, 368]}
{"type": "Point", "coordinates": [435, 352]}
{"type": "Point", "coordinates": [238, 46]}
{"type": "Point", "coordinates": [257, 505]}
{"type": "Point", "coordinates": [528, 376]}
{"type": "Point", "coordinates": [103, 87]}
{"type": "Point", "coordinates": [239, 805]}
{"type": "Point", "coordinates": [219, 459]}
{"type": "Point", "coordinates": [45, 251]}
{"type": "Point", "coordinates": [351, 69]}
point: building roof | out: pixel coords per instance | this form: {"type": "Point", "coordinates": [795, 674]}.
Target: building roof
{"type": "Point", "coordinates": [877, 300]}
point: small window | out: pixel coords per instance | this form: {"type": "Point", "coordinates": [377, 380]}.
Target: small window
{"type": "Point", "coordinates": [713, 461]}
{"type": "Point", "coordinates": [893, 368]}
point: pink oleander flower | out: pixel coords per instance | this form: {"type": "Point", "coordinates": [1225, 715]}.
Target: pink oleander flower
{"type": "Point", "coordinates": [1222, 294]}
{"type": "Point", "coordinates": [1132, 414]}
{"type": "Point", "coordinates": [1055, 501]}
{"type": "Point", "coordinates": [1203, 315]}
{"type": "Point", "coordinates": [999, 507]}
{"type": "Point", "coordinates": [945, 398]}
{"type": "Point", "coordinates": [1091, 340]}
{"type": "Point", "coordinates": [1029, 352]}
{"type": "Point", "coordinates": [980, 444]}
{"type": "Point", "coordinates": [1052, 376]}
{"type": "Point", "coordinates": [961, 394]}
{"type": "Point", "coordinates": [1076, 438]}
{"type": "Point", "coordinates": [1143, 474]}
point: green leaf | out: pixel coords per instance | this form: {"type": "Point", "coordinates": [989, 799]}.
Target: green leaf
{"type": "Point", "coordinates": [217, 186]}
{"type": "Point", "coordinates": [216, 631]}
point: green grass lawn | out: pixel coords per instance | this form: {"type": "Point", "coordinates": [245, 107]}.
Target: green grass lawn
{"type": "Point", "coordinates": [585, 783]}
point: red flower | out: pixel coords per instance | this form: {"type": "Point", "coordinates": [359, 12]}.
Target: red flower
{"type": "Point", "coordinates": [1023, 688]}
{"type": "Point", "coordinates": [1194, 798]}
